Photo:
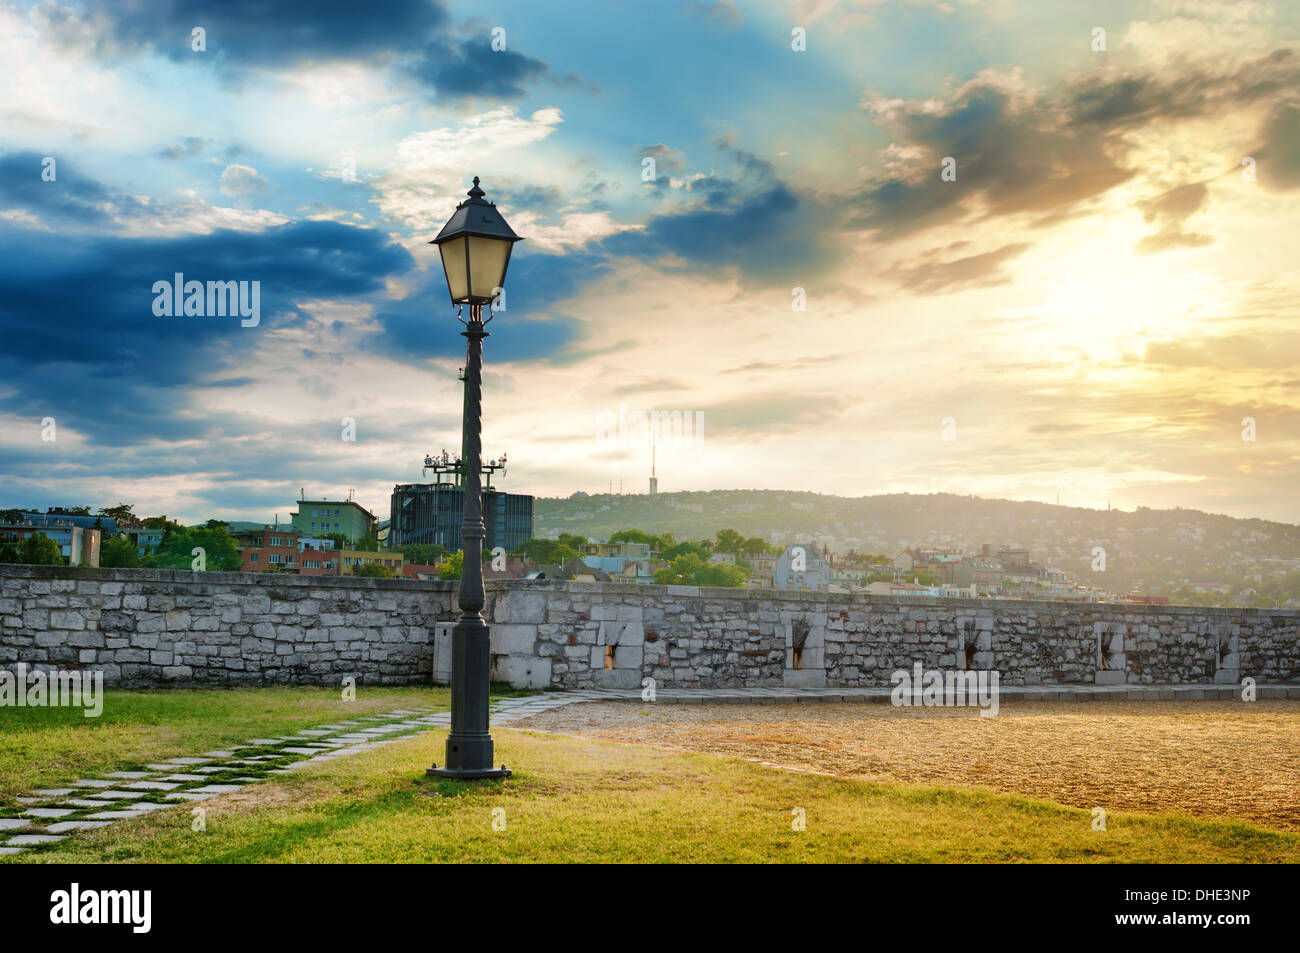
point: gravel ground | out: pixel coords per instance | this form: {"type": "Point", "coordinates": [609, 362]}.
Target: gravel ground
{"type": "Point", "coordinates": [1208, 759]}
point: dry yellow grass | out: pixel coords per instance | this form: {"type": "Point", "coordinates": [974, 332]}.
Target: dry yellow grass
{"type": "Point", "coordinates": [1205, 759]}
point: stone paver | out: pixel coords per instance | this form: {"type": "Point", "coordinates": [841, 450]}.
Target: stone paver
{"type": "Point", "coordinates": [64, 826]}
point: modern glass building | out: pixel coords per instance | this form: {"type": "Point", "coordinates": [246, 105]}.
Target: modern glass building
{"type": "Point", "coordinates": [432, 513]}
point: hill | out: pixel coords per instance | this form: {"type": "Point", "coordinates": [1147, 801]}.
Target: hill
{"type": "Point", "coordinates": [1153, 550]}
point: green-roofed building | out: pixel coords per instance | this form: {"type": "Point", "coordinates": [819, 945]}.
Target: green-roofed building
{"type": "Point", "coordinates": [320, 517]}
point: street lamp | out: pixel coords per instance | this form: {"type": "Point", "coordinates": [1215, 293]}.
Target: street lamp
{"type": "Point", "coordinates": [475, 247]}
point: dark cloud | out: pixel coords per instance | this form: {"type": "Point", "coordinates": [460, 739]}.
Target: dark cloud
{"type": "Point", "coordinates": [770, 235]}
{"type": "Point", "coordinates": [1107, 103]}
{"type": "Point", "coordinates": [1009, 160]}
{"type": "Point", "coordinates": [462, 69]}
{"type": "Point", "coordinates": [793, 364]}
{"type": "Point", "coordinates": [415, 37]}
{"type": "Point", "coordinates": [1169, 210]}
{"type": "Point", "coordinates": [931, 276]}
{"type": "Point", "coordinates": [1049, 157]}
{"type": "Point", "coordinates": [415, 335]}
{"type": "Point", "coordinates": [529, 328]}
{"type": "Point", "coordinates": [650, 386]}
{"type": "Point", "coordinates": [1278, 157]}
{"type": "Point", "coordinates": [72, 199]}
{"type": "Point", "coordinates": [667, 162]}
{"type": "Point", "coordinates": [1276, 350]}
{"type": "Point", "coordinates": [251, 32]}
{"type": "Point", "coordinates": [765, 415]}
{"type": "Point", "coordinates": [81, 312]}
{"type": "Point", "coordinates": [187, 148]}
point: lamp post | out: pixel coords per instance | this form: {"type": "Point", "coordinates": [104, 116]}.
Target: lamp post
{"type": "Point", "coordinates": [475, 247]}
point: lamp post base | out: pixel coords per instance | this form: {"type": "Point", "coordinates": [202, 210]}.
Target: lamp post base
{"type": "Point", "coordinates": [468, 774]}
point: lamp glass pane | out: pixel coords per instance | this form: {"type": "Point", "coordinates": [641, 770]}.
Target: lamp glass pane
{"type": "Point", "coordinates": [453, 263]}
{"type": "Point", "coordinates": [487, 265]}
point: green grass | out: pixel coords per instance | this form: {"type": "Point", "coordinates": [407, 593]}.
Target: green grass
{"type": "Point", "coordinates": [44, 747]}
{"type": "Point", "coordinates": [576, 799]}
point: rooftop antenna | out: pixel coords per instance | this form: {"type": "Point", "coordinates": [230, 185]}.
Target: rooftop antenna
{"type": "Point", "coordinates": [302, 493]}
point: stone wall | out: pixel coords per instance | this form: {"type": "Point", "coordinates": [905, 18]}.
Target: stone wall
{"type": "Point", "coordinates": [577, 635]}
{"type": "Point", "coordinates": [145, 627]}
{"type": "Point", "coordinates": [150, 626]}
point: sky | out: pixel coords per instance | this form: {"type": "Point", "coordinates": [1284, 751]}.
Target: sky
{"type": "Point", "coordinates": [1018, 250]}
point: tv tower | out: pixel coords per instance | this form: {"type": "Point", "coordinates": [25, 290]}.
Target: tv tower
{"type": "Point", "coordinates": [654, 480]}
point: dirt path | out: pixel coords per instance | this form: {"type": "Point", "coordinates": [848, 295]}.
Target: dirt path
{"type": "Point", "coordinates": [1208, 759]}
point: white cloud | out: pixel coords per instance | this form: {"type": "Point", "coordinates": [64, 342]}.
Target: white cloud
{"type": "Point", "coordinates": [428, 180]}
{"type": "Point", "coordinates": [241, 181]}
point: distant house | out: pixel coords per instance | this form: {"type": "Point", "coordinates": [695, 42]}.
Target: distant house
{"type": "Point", "coordinates": [146, 538]}
{"type": "Point", "coordinates": [79, 545]}
{"type": "Point", "coordinates": [800, 567]}
{"type": "Point", "coordinates": [576, 570]}
{"type": "Point", "coordinates": [763, 571]}
{"type": "Point", "coordinates": [984, 574]}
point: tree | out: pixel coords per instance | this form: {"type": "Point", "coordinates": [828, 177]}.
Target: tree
{"type": "Point", "coordinates": [682, 548]}
{"type": "Point", "coordinates": [452, 565]}
{"type": "Point", "coordinates": [656, 543]}
{"type": "Point", "coordinates": [377, 570]}
{"type": "Point", "coordinates": [122, 513]}
{"type": "Point", "coordinates": [729, 541]}
{"type": "Point", "coordinates": [547, 551]}
{"type": "Point", "coordinates": [692, 570]}
{"type": "Point", "coordinates": [8, 552]}
{"type": "Point", "coordinates": [119, 551]}
{"type": "Point", "coordinates": [221, 553]}
{"type": "Point", "coordinates": [39, 550]}
{"type": "Point", "coordinates": [422, 554]}
{"type": "Point", "coordinates": [573, 541]}
{"type": "Point", "coordinates": [632, 536]}
{"type": "Point", "coordinates": [754, 546]}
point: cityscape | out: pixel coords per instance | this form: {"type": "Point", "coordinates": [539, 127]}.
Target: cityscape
{"type": "Point", "coordinates": [709, 432]}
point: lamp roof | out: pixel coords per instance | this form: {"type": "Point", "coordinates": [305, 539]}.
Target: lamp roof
{"type": "Point", "coordinates": [476, 216]}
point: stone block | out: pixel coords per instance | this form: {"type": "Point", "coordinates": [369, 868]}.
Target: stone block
{"type": "Point", "coordinates": [523, 672]}
{"type": "Point", "coordinates": [513, 639]}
